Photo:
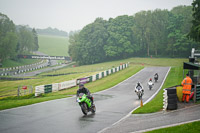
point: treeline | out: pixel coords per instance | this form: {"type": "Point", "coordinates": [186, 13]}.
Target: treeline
{"type": "Point", "coordinates": [157, 33]}
{"type": "Point", "coordinates": [15, 40]}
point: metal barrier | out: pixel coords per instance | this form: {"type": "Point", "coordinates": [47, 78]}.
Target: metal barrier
{"type": "Point", "coordinates": [197, 93]}
{"type": "Point", "coordinates": [24, 90]}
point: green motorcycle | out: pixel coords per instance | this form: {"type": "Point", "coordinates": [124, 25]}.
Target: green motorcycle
{"type": "Point", "coordinates": [85, 104]}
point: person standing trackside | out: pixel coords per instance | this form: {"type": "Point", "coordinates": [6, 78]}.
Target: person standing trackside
{"type": "Point", "coordinates": [187, 85]}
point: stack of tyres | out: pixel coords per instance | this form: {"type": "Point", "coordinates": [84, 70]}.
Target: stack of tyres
{"type": "Point", "coordinates": [172, 98]}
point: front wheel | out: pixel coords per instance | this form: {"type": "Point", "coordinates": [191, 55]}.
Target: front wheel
{"type": "Point", "coordinates": [93, 110]}
{"type": "Point", "coordinates": [84, 108]}
{"type": "Point", "coordinates": [139, 95]}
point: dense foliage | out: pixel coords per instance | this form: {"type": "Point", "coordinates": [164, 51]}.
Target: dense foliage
{"type": "Point", "coordinates": [157, 33]}
{"type": "Point", "coordinates": [14, 41]}
{"type": "Point", "coordinates": [195, 29]}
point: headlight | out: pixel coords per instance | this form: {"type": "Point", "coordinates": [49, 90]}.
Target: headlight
{"type": "Point", "coordinates": [77, 100]}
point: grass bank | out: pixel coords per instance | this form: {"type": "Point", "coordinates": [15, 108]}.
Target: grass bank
{"type": "Point", "coordinates": [20, 62]}
{"type": "Point", "coordinates": [174, 77]}
{"type": "Point", "coordinates": [189, 128]}
{"type": "Point", "coordinates": [53, 45]}
{"type": "Point", "coordinates": [104, 83]}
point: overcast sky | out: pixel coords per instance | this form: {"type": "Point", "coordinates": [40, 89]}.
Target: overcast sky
{"type": "Point", "coordinates": [75, 14]}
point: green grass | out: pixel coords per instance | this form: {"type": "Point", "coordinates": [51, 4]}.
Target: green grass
{"type": "Point", "coordinates": [156, 104]}
{"type": "Point", "coordinates": [53, 45]}
{"type": "Point", "coordinates": [189, 128]}
{"type": "Point", "coordinates": [98, 85]}
{"type": "Point", "coordinates": [21, 62]}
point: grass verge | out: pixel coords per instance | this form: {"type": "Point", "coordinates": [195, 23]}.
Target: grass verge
{"type": "Point", "coordinates": [189, 128]}
{"type": "Point", "coordinates": [156, 104]}
{"type": "Point", "coordinates": [102, 84]}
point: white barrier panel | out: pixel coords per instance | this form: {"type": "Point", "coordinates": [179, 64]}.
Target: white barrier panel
{"type": "Point", "coordinates": [55, 87]}
{"type": "Point", "coordinates": [39, 90]}
{"type": "Point", "coordinates": [109, 71]}
{"type": "Point", "coordinates": [100, 75]}
{"type": "Point", "coordinates": [113, 70]}
{"type": "Point", "coordinates": [120, 67]}
{"type": "Point", "coordinates": [93, 77]}
{"type": "Point", "coordinates": [105, 74]}
{"type": "Point", "coordinates": [67, 84]}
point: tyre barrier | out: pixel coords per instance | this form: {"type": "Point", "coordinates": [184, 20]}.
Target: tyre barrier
{"type": "Point", "coordinates": [170, 99]}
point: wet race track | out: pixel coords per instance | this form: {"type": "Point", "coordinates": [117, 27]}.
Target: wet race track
{"type": "Point", "coordinates": [65, 116]}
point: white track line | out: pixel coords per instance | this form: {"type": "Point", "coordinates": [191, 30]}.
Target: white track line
{"type": "Point", "coordinates": [166, 126]}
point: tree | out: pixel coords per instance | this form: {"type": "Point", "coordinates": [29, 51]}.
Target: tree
{"type": "Point", "coordinates": [26, 41]}
{"type": "Point", "coordinates": [8, 38]}
{"type": "Point", "coordinates": [120, 42]}
{"type": "Point", "coordinates": [195, 29]}
{"type": "Point", "coordinates": [36, 46]}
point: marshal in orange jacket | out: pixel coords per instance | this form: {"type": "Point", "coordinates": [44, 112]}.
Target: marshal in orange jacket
{"type": "Point", "coordinates": [187, 85]}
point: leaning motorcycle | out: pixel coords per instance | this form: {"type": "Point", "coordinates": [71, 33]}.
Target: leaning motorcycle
{"type": "Point", "coordinates": [85, 104]}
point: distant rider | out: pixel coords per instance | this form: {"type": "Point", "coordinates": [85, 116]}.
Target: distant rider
{"type": "Point", "coordinates": [150, 83]}
{"type": "Point", "coordinates": [139, 87]}
{"type": "Point", "coordinates": [84, 90]}
{"type": "Point", "coordinates": [156, 76]}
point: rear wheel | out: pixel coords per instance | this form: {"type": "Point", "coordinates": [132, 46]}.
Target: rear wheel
{"type": "Point", "coordinates": [150, 87]}
{"type": "Point", "coordinates": [84, 108]}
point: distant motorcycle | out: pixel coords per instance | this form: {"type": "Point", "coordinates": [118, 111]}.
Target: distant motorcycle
{"type": "Point", "coordinates": [156, 79]}
{"type": "Point", "coordinates": [85, 104]}
{"type": "Point", "coordinates": [150, 84]}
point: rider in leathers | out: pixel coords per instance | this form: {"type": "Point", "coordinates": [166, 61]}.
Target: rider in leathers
{"type": "Point", "coordinates": [138, 87]}
{"type": "Point", "coordinates": [84, 90]}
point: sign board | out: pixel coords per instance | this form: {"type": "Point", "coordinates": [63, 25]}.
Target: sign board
{"type": "Point", "coordinates": [45, 57]}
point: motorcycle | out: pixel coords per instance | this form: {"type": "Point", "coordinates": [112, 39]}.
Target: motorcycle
{"type": "Point", "coordinates": [150, 85]}
{"type": "Point", "coordinates": [156, 79]}
{"type": "Point", "coordinates": [139, 92]}
{"type": "Point", "coordinates": [85, 104]}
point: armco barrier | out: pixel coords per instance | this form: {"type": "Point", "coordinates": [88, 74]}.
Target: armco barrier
{"type": "Point", "coordinates": [83, 80]}
{"type": "Point", "coordinates": [55, 87]}
{"type": "Point", "coordinates": [48, 88]}
{"type": "Point", "coordinates": [67, 84]}
{"type": "Point", "coordinates": [39, 90]}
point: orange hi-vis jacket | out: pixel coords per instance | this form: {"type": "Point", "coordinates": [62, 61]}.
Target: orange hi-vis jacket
{"type": "Point", "coordinates": [187, 85]}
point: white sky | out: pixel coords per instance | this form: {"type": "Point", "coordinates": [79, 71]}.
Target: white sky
{"type": "Point", "coordinates": [75, 14]}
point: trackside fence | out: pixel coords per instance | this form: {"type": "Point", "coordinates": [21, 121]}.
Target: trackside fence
{"type": "Point", "coordinates": [68, 84]}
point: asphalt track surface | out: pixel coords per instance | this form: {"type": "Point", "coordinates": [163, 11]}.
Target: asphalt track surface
{"type": "Point", "coordinates": [147, 122]}
{"type": "Point", "coordinates": [65, 116]}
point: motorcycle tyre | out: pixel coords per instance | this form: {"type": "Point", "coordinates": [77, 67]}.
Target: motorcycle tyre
{"type": "Point", "coordinates": [93, 109]}
{"type": "Point", "coordinates": [84, 108]}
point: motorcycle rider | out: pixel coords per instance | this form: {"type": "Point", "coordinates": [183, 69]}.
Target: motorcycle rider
{"type": "Point", "coordinates": [156, 76]}
{"type": "Point", "coordinates": [84, 90]}
{"type": "Point", "coordinates": [138, 87]}
{"type": "Point", "coordinates": [150, 83]}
